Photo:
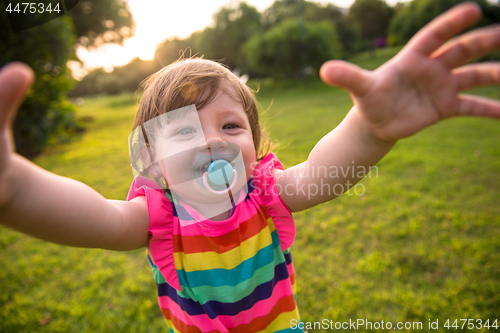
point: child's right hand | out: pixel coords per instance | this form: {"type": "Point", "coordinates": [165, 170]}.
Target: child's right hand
{"type": "Point", "coordinates": [54, 208]}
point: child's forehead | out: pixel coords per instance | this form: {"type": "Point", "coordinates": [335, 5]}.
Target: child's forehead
{"type": "Point", "coordinates": [225, 102]}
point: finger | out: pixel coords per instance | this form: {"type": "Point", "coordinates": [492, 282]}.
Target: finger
{"type": "Point", "coordinates": [444, 27]}
{"type": "Point", "coordinates": [478, 106]}
{"type": "Point", "coordinates": [471, 45]}
{"type": "Point", "coordinates": [476, 75]}
{"type": "Point", "coordinates": [342, 74]}
{"type": "Point", "coordinates": [15, 79]}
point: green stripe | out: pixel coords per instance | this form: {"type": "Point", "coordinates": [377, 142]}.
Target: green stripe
{"type": "Point", "coordinates": [232, 294]}
{"type": "Point", "coordinates": [227, 293]}
{"type": "Point", "coordinates": [218, 277]}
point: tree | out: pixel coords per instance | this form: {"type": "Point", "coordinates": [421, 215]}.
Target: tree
{"type": "Point", "coordinates": [372, 17]}
{"type": "Point", "coordinates": [231, 28]}
{"type": "Point", "coordinates": [125, 78]}
{"type": "Point", "coordinates": [102, 21]}
{"type": "Point", "coordinates": [308, 11]}
{"type": "Point", "coordinates": [411, 17]}
{"type": "Point", "coordinates": [45, 113]}
{"type": "Point", "coordinates": [281, 10]}
{"type": "Point", "coordinates": [173, 48]}
{"type": "Point", "coordinates": [347, 31]}
{"type": "Point", "coordinates": [287, 49]}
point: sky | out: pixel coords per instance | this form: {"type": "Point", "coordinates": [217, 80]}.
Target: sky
{"type": "Point", "coordinates": [157, 20]}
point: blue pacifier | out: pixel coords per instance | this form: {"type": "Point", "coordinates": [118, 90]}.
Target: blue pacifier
{"type": "Point", "coordinates": [220, 172]}
{"type": "Point", "coordinates": [220, 176]}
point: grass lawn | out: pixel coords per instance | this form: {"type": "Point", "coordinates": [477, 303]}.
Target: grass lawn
{"type": "Point", "coordinates": [422, 242]}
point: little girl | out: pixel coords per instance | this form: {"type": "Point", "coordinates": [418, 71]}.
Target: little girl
{"type": "Point", "coordinates": [209, 201]}
{"type": "Point", "coordinates": [219, 249]}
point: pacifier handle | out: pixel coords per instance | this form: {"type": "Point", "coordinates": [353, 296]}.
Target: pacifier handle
{"type": "Point", "coordinates": [205, 183]}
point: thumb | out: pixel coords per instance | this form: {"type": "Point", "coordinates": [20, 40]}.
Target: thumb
{"type": "Point", "coordinates": [345, 75]}
{"type": "Point", "coordinates": [15, 79]}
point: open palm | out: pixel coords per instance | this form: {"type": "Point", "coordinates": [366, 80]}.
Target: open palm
{"type": "Point", "coordinates": [422, 83]}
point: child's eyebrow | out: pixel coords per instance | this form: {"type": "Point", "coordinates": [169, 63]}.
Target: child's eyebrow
{"type": "Point", "coordinates": [233, 112]}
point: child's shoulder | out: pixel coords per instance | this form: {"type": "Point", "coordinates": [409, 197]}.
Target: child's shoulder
{"type": "Point", "coordinates": [158, 201]}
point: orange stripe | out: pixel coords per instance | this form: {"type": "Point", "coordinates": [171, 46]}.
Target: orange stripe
{"type": "Point", "coordinates": [285, 304]}
{"type": "Point", "coordinates": [226, 242]}
{"type": "Point", "coordinates": [179, 325]}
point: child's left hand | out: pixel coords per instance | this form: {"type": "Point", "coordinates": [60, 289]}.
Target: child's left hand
{"type": "Point", "coordinates": [421, 84]}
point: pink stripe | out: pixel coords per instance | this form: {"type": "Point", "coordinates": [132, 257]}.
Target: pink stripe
{"type": "Point", "coordinates": [260, 309]}
{"type": "Point", "coordinates": [197, 229]}
{"type": "Point", "coordinates": [197, 217]}
{"type": "Point", "coordinates": [291, 269]}
{"type": "Point", "coordinates": [202, 321]}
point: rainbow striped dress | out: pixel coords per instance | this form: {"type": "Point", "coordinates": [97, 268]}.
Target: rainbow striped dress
{"type": "Point", "coordinates": [225, 276]}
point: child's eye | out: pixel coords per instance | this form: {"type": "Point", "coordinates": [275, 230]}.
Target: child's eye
{"type": "Point", "coordinates": [230, 126]}
{"type": "Point", "coordinates": [185, 131]}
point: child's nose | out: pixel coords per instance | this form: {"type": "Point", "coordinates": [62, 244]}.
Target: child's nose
{"type": "Point", "coordinates": [215, 143]}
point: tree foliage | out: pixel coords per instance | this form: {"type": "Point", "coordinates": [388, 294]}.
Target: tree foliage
{"type": "Point", "coordinates": [286, 39]}
{"type": "Point", "coordinates": [310, 11]}
{"type": "Point", "coordinates": [232, 28]}
{"type": "Point", "coordinates": [347, 30]}
{"type": "Point", "coordinates": [123, 79]}
{"type": "Point", "coordinates": [411, 17]}
{"type": "Point", "coordinates": [223, 40]}
{"type": "Point", "coordinates": [46, 114]}
{"type": "Point", "coordinates": [102, 21]}
{"type": "Point", "coordinates": [372, 17]}
{"type": "Point", "coordinates": [292, 47]}
{"type": "Point", "coordinates": [45, 111]}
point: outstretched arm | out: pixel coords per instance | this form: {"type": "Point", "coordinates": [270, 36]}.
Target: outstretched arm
{"type": "Point", "coordinates": [57, 209]}
{"type": "Point", "coordinates": [420, 86]}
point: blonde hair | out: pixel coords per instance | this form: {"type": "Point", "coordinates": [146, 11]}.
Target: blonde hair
{"type": "Point", "coordinates": [197, 81]}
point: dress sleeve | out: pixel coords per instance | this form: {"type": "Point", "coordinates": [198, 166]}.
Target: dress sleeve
{"type": "Point", "coordinates": [161, 225]}
{"type": "Point", "coordinates": [265, 184]}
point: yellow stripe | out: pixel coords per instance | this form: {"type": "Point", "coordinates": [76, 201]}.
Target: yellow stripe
{"type": "Point", "coordinates": [282, 321]}
{"type": "Point", "coordinates": [171, 326]}
{"type": "Point", "coordinates": [270, 223]}
{"type": "Point", "coordinates": [227, 260]}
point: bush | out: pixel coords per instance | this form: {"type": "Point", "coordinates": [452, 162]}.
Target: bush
{"type": "Point", "coordinates": [45, 113]}
{"type": "Point", "coordinates": [293, 48]}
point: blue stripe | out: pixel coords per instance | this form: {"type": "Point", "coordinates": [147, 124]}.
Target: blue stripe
{"type": "Point", "coordinates": [250, 187]}
{"type": "Point", "coordinates": [231, 277]}
{"type": "Point", "coordinates": [182, 213]}
{"type": "Point", "coordinates": [150, 261]}
{"type": "Point", "coordinates": [214, 308]}
{"type": "Point", "coordinates": [288, 257]}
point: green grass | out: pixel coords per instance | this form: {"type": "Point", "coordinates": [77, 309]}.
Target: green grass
{"type": "Point", "coordinates": [422, 243]}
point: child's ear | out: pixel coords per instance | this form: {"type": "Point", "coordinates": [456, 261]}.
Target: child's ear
{"type": "Point", "coordinates": [153, 169]}
{"type": "Point", "coordinates": [156, 173]}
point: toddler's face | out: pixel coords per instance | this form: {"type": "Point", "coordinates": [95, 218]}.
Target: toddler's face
{"type": "Point", "coordinates": [186, 146]}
